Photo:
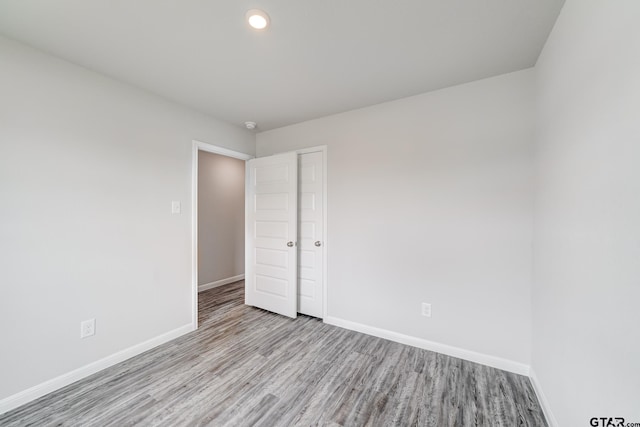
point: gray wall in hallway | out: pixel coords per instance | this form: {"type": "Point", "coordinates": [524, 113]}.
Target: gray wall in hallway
{"type": "Point", "coordinates": [220, 217]}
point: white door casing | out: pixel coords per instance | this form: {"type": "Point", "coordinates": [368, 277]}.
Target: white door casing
{"type": "Point", "coordinates": [311, 233]}
{"type": "Point", "coordinates": [272, 228]}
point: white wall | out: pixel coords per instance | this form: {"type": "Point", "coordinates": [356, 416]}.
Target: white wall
{"type": "Point", "coordinates": [220, 217]}
{"type": "Point", "coordinates": [88, 170]}
{"type": "Point", "coordinates": [586, 315]}
{"type": "Point", "coordinates": [430, 199]}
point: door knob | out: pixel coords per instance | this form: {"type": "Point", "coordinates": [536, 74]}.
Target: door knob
{"type": "Point", "coordinates": [317, 243]}
{"type": "Point", "coordinates": [290, 244]}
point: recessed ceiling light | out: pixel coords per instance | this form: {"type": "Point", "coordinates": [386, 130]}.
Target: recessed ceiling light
{"type": "Point", "coordinates": [250, 125]}
{"type": "Point", "coordinates": [258, 19]}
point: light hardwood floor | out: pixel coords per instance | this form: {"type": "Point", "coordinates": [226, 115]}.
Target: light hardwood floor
{"type": "Point", "coordinates": [245, 366]}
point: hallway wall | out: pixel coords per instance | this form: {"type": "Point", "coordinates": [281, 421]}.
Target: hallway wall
{"type": "Point", "coordinates": [220, 217]}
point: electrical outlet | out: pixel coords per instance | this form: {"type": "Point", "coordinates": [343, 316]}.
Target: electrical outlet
{"type": "Point", "coordinates": [87, 328]}
{"type": "Point", "coordinates": [426, 309]}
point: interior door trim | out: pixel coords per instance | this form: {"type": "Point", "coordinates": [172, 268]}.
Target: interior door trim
{"type": "Point", "coordinates": [197, 146]}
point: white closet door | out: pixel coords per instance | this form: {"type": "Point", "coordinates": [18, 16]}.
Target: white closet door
{"type": "Point", "coordinates": [310, 214]}
{"type": "Point", "coordinates": [272, 229]}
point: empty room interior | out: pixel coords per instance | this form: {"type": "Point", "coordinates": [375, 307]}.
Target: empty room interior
{"type": "Point", "coordinates": [335, 213]}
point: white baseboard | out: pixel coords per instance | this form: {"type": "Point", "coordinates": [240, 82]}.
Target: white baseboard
{"type": "Point", "coordinates": [206, 286]}
{"type": "Point", "coordinates": [551, 420]}
{"type": "Point", "coordinates": [63, 380]}
{"type": "Point", "coordinates": [484, 359]}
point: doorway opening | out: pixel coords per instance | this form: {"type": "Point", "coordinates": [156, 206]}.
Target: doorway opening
{"type": "Point", "coordinates": [218, 218]}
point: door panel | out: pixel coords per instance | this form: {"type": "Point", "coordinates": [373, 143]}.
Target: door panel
{"type": "Point", "coordinates": [272, 224]}
{"type": "Point", "coordinates": [310, 224]}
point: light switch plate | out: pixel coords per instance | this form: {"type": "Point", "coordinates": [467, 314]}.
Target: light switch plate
{"type": "Point", "coordinates": [176, 208]}
{"type": "Point", "coordinates": [426, 309]}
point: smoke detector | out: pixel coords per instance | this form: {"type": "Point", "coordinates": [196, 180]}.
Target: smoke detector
{"type": "Point", "coordinates": [250, 125]}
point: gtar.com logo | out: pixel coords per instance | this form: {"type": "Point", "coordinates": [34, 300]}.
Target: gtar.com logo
{"type": "Point", "coordinates": [611, 422]}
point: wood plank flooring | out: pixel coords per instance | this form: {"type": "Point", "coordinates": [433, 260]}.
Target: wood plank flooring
{"type": "Point", "coordinates": [248, 367]}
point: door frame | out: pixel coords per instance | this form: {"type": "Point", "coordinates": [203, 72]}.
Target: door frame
{"type": "Point", "coordinates": [196, 147]}
{"type": "Point", "coordinates": [325, 244]}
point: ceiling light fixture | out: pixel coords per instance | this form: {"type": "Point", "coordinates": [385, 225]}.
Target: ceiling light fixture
{"type": "Point", "coordinates": [250, 125]}
{"type": "Point", "coordinates": [258, 19]}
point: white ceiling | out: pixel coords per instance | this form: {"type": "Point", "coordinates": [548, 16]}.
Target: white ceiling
{"type": "Point", "coordinates": [318, 57]}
